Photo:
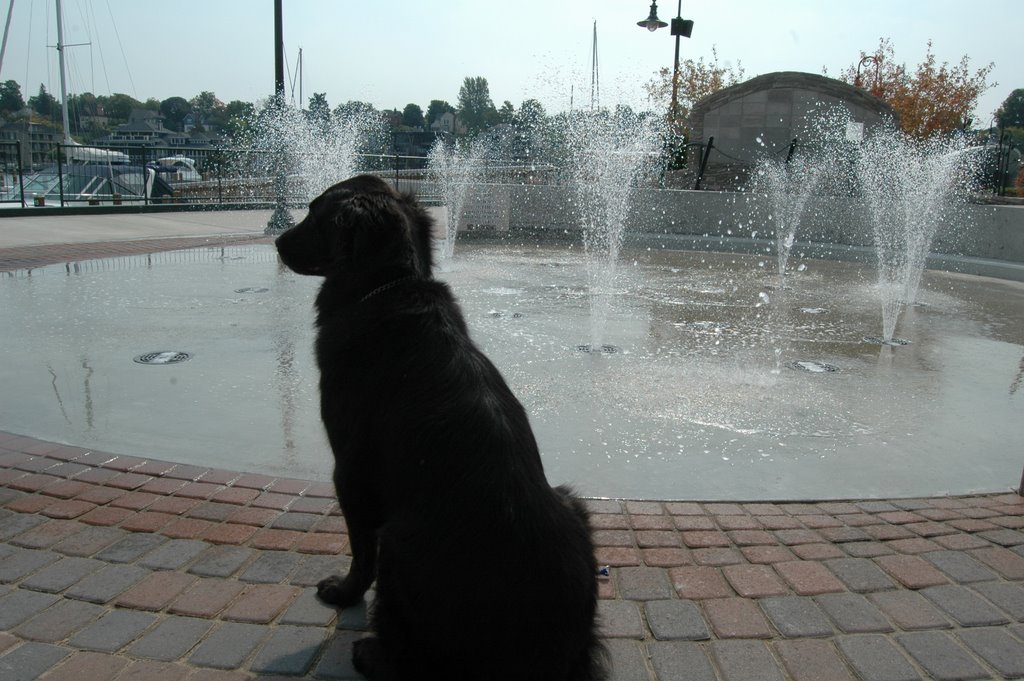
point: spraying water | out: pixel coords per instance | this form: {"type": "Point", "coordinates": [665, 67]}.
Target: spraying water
{"type": "Point", "coordinates": [315, 153]}
{"type": "Point", "coordinates": [609, 155]}
{"type": "Point", "coordinates": [788, 186]}
{"type": "Point", "coordinates": [911, 188]}
{"type": "Point", "coordinates": [454, 169]}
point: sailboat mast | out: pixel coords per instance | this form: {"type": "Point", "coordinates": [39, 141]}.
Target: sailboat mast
{"type": "Point", "coordinates": [63, 78]}
{"type": "Point", "coordinates": [7, 29]}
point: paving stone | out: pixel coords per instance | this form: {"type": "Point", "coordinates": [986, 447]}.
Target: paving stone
{"type": "Point", "coordinates": [812, 660]}
{"type": "Point", "coordinates": [22, 562]}
{"type": "Point", "coordinates": [16, 523]}
{"type": "Point", "coordinates": [172, 639]}
{"type": "Point", "coordinates": [314, 568]}
{"type": "Point", "coordinates": [628, 660]}
{"type": "Point", "coordinates": [20, 605]}
{"type": "Point", "coordinates": [290, 651]}
{"type": "Point", "coordinates": [852, 613]}
{"type": "Point", "coordinates": [959, 566]}
{"type": "Point", "coordinates": [1008, 597]}
{"type": "Point", "coordinates": [617, 619]}
{"type": "Point", "coordinates": [229, 646]}
{"type": "Point", "coordinates": [173, 554]}
{"type": "Point", "coordinates": [676, 620]}
{"type": "Point", "coordinates": [131, 548]}
{"type": "Point", "coordinates": [913, 572]}
{"type": "Point", "coordinates": [643, 583]}
{"type": "Point", "coordinates": [206, 597]}
{"type": "Point", "coordinates": [699, 582]}
{"type": "Point", "coordinates": [909, 610]}
{"type": "Point", "coordinates": [59, 621]}
{"type": "Point", "coordinates": [796, 616]}
{"type": "Point", "coordinates": [271, 567]}
{"type": "Point", "coordinates": [754, 581]}
{"type": "Point", "coordinates": [336, 661]}
{"type": "Point", "coordinates": [30, 661]}
{"type": "Point", "coordinates": [860, 574]}
{"type": "Point", "coordinates": [808, 578]}
{"type": "Point", "coordinates": [261, 603]}
{"type": "Point", "coordinates": [88, 666]}
{"type": "Point", "coordinates": [107, 583]}
{"type": "Point", "coordinates": [1005, 562]}
{"type": "Point", "coordinates": [997, 648]}
{"type": "Point", "coordinates": [875, 658]}
{"type": "Point", "coordinates": [60, 575]}
{"type": "Point", "coordinates": [941, 656]}
{"type": "Point", "coordinates": [89, 540]}
{"type": "Point", "coordinates": [745, 660]}
{"type": "Point", "coordinates": [156, 590]}
{"type": "Point", "coordinates": [221, 561]}
{"type": "Point", "coordinates": [150, 670]}
{"type": "Point", "coordinates": [680, 660]}
{"type": "Point", "coordinates": [113, 631]}
{"type": "Point", "coordinates": [963, 605]}
{"type": "Point", "coordinates": [307, 610]}
{"type": "Point", "coordinates": [736, 618]}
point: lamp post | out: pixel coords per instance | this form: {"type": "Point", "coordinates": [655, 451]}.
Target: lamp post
{"type": "Point", "coordinates": [875, 89]}
{"type": "Point", "coordinates": [681, 28]}
{"type": "Point", "coordinates": [281, 218]}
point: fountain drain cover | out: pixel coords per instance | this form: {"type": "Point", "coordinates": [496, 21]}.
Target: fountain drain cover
{"type": "Point", "coordinates": [813, 367]}
{"type": "Point", "coordinates": [163, 357]}
{"type": "Point", "coordinates": [597, 350]}
{"type": "Point", "coordinates": [252, 289]}
{"type": "Point", "coordinates": [878, 340]}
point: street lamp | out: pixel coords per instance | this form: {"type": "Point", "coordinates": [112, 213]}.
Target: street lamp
{"type": "Point", "coordinates": [281, 219]}
{"type": "Point", "coordinates": [681, 28]}
{"type": "Point", "coordinates": [876, 87]}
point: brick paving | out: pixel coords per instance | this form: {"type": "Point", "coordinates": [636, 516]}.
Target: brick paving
{"type": "Point", "coordinates": [118, 567]}
{"type": "Point", "coordinates": [126, 568]}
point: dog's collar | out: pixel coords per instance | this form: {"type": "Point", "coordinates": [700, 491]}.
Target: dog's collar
{"type": "Point", "coordinates": [385, 287]}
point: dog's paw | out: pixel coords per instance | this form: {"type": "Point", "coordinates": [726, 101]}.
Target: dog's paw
{"type": "Point", "coordinates": [339, 591]}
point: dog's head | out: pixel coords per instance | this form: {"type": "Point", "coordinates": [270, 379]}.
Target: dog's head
{"type": "Point", "coordinates": [359, 226]}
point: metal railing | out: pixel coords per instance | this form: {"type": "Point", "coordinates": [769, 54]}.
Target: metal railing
{"type": "Point", "coordinates": [59, 175]}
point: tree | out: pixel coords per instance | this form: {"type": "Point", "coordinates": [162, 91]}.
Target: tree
{"type": "Point", "coordinates": [932, 99]}
{"type": "Point", "coordinates": [436, 109]}
{"type": "Point", "coordinates": [119, 105]}
{"type": "Point", "coordinates": [10, 97]}
{"type": "Point", "coordinates": [531, 114]}
{"type": "Point", "coordinates": [44, 104]}
{"type": "Point", "coordinates": [506, 113]}
{"type": "Point", "coordinates": [319, 111]}
{"type": "Point", "coordinates": [476, 110]}
{"type": "Point", "coordinates": [412, 116]}
{"type": "Point", "coordinates": [1010, 113]}
{"type": "Point", "coordinates": [206, 105]}
{"type": "Point", "coordinates": [696, 80]}
{"type": "Point", "coordinates": [174, 110]}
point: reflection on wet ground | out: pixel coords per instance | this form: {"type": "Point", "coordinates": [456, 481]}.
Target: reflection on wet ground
{"type": "Point", "coordinates": [722, 385]}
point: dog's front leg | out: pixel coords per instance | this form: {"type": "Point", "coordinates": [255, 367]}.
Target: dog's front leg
{"type": "Point", "coordinates": [362, 534]}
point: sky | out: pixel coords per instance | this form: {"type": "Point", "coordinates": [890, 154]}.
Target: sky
{"type": "Point", "coordinates": [400, 52]}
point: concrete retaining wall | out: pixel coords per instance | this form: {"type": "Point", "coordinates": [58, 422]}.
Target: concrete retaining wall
{"type": "Point", "coordinates": [979, 239]}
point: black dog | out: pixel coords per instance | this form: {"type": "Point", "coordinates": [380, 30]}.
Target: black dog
{"type": "Point", "coordinates": [483, 570]}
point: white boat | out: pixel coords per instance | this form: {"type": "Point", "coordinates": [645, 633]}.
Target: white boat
{"type": "Point", "coordinates": [177, 169]}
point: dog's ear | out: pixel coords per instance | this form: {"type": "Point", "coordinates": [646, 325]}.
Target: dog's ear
{"type": "Point", "coordinates": [373, 230]}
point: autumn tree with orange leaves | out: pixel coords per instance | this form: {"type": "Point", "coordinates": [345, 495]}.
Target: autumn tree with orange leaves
{"type": "Point", "coordinates": [931, 99]}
